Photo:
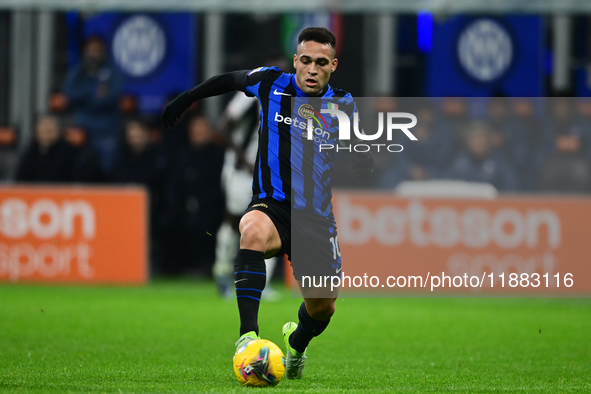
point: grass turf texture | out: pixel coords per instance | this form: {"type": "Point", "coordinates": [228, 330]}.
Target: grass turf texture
{"type": "Point", "coordinates": [179, 337]}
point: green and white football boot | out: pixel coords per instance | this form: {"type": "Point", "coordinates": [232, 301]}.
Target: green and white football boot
{"type": "Point", "coordinates": [245, 339]}
{"type": "Point", "coordinates": [294, 360]}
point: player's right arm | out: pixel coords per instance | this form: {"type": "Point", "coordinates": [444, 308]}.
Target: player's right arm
{"type": "Point", "coordinates": [363, 162]}
{"type": "Point", "coordinates": [242, 80]}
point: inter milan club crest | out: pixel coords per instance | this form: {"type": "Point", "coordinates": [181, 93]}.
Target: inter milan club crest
{"type": "Point", "coordinates": [485, 50]}
{"type": "Point", "coordinates": [139, 46]}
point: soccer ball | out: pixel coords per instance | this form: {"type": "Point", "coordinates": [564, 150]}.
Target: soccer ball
{"type": "Point", "coordinates": [259, 363]}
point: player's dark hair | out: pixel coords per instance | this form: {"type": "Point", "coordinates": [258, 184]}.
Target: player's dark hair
{"type": "Point", "coordinates": [318, 34]}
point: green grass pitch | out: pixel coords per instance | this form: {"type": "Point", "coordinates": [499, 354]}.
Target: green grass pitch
{"type": "Point", "coordinates": [179, 337]}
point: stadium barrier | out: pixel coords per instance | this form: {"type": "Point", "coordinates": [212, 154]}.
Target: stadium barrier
{"type": "Point", "coordinates": [65, 234]}
{"type": "Point", "coordinates": [508, 246]}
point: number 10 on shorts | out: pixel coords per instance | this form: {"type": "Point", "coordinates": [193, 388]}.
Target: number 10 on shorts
{"type": "Point", "coordinates": [336, 252]}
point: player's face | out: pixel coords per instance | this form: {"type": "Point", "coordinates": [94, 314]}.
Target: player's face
{"type": "Point", "coordinates": [314, 62]}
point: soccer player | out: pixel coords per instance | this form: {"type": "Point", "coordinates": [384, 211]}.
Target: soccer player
{"type": "Point", "coordinates": [291, 187]}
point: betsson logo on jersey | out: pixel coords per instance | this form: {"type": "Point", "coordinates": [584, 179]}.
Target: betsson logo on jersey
{"type": "Point", "coordinates": [321, 135]}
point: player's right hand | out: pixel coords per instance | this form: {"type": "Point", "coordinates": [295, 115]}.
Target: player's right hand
{"type": "Point", "coordinates": [362, 164]}
{"type": "Point", "coordinates": [173, 111]}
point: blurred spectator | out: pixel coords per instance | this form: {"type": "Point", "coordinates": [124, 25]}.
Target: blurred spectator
{"type": "Point", "coordinates": [433, 151]}
{"type": "Point", "coordinates": [342, 174]}
{"type": "Point", "coordinates": [397, 171]}
{"type": "Point", "coordinates": [93, 89]}
{"type": "Point", "coordinates": [382, 160]}
{"type": "Point", "coordinates": [48, 158]}
{"type": "Point", "coordinates": [58, 102]}
{"type": "Point", "coordinates": [85, 167]}
{"type": "Point", "coordinates": [128, 105]}
{"type": "Point", "coordinates": [527, 128]}
{"type": "Point", "coordinates": [498, 118]}
{"type": "Point", "coordinates": [456, 116]}
{"type": "Point", "coordinates": [195, 202]}
{"type": "Point", "coordinates": [175, 139]}
{"type": "Point", "coordinates": [140, 162]}
{"type": "Point", "coordinates": [506, 138]}
{"type": "Point", "coordinates": [565, 151]}
{"type": "Point", "coordinates": [584, 109]}
{"type": "Point", "coordinates": [479, 162]}
{"type": "Point", "coordinates": [8, 154]}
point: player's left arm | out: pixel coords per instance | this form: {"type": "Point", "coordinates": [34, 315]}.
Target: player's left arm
{"type": "Point", "coordinates": [214, 86]}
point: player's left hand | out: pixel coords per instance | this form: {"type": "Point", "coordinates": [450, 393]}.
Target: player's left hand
{"type": "Point", "coordinates": [175, 109]}
{"type": "Point", "coordinates": [362, 164]}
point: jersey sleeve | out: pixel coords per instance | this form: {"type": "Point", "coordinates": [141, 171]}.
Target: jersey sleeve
{"type": "Point", "coordinates": [253, 78]}
{"type": "Point", "coordinates": [348, 106]}
{"type": "Point", "coordinates": [243, 80]}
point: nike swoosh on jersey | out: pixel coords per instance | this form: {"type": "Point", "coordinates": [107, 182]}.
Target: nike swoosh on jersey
{"type": "Point", "coordinates": [240, 280]}
{"type": "Point", "coordinates": [282, 94]}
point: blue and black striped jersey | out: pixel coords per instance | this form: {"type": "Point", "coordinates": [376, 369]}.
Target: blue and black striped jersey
{"type": "Point", "coordinates": [290, 167]}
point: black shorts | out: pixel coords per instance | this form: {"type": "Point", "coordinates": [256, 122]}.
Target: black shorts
{"type": "Point", "coordinates": [280, 215]}
{"type": "Point", "coordinates": [309, 240]}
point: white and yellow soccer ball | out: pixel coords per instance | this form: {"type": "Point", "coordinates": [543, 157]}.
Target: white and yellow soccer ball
{"type": "Point", "coordinates": [259, 363]}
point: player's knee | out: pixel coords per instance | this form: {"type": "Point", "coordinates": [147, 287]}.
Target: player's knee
{"type": "Point", "coordinates": [253, 235]}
